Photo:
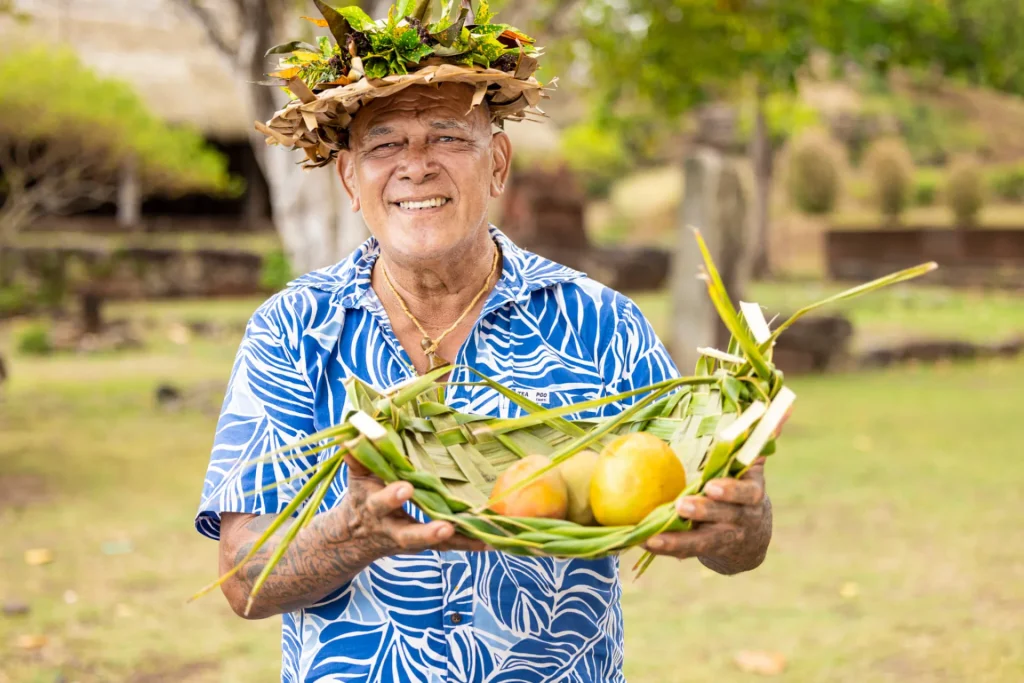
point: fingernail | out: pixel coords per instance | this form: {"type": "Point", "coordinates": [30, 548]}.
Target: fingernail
{"type": "Point", "coordinates": [655, 544]}
{"type": "Point", "coordinates": [404, 492]}
{"type": "Point", "coordinates": [714, 490]}
{"type": "Point", "coordinates": [686, 507]}
{"type": "Point", "coordinates": [444, 532]}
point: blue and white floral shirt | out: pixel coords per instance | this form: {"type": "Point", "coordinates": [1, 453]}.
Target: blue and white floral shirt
{"type": "Point", "coordinates": [547, 331]}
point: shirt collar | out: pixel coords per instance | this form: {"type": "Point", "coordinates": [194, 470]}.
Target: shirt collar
{"type": "Point", "coordinates": [523, 273]}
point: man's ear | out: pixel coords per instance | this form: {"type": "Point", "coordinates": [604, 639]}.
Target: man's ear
{"type": "Point", "coordinates": [347, 172]}
{"type": "Point", "coordinates": [501, 162]}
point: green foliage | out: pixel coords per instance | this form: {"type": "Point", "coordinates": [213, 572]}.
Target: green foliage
{"type": "Point", "coordinates": [965, 191]}
{"type": "Point", "coordinates": [276, 271]}
{"type": "Point", "coordinates": [814, 173]}
{"type": "Point", "coordinates": [926, 186]}
{"type": "Point", "coordinates": [1007, 182]}
{"type": "Point", "coordinates": [891, 170]}
{"type": "Point", "coordinates": [394, 45]}
{"type": "Point", "coordinates": [933, 134]}
{"type": "Point", "coordinates": [50, 96]}
{"type": "Point", "coordinates": [786, 114]}
{"type": "Point", "coordinates": [596, 153]}
{"type": "Point", "coordinates": [35, 340]}
{"type": "Point", "coordinates": [14, 299]}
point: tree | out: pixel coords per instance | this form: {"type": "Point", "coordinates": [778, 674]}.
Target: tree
{"type": "Point", "coordinates": [310, 209]}
{"type": "Point", "coordinates": [660, 58]}
{"type": "Point", "coordinates": [65, 133]}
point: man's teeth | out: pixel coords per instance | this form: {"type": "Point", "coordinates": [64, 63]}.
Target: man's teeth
{"type": "Point", "coordinates": [425, 204]}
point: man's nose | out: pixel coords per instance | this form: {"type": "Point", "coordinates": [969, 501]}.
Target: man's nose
{"type": "Point", "coordinates": [417, 163]}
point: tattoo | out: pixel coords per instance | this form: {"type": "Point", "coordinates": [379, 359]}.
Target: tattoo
{"type": "Point", "coordinates": [750, 553]}
{"type": "Point", "coordinates": [317, 562]}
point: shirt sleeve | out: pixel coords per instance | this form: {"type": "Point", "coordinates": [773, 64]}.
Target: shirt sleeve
{"type": "Point", "coordinates": [637, 357]}
{"type": "Point", "coordinates": [268, 404]}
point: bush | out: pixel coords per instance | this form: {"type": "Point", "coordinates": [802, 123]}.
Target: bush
{"type": "Point", "coordinates": [926, 187]}
{"type": "Point", "coordinates": [1007, 182]}
{"type": "Point", "coordinates": [891, 170]}
{"type": "Point", "coordinates": [813, 173]}
{"type": "Point", "coordinates": [35, 340]}
{"type": "Point", "coordinates": [276, 271]}
{"type": "Point", "coordinates": [14, 299]}
{"type": "Point", "coordinates": [965, 192]}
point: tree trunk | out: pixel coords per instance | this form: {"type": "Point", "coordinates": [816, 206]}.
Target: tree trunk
{"type": "Point", "coordinates": [761, 154]}
{"type": "Point", "coordinates": [92, 311]}
{"type": "Point", "coordinates": [309, 208]}
{"type": "Point", "coordinates": [129, 195]}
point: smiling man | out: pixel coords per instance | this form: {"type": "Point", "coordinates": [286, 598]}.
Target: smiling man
{"type": "Point", "coordinates": [371, 590]}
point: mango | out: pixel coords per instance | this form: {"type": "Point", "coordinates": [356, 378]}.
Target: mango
{"type": "Point", "coordinates": [577, 472]}
{"type": "Point", "coordinates": [635, 473]}
{"type": "Point", "coordinates": [548, 496]}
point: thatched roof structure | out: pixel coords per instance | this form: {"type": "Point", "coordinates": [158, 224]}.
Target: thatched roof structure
{"type": "Point", "coordinates": [151, 44]}
{"type": "Point", "coordinates": [156, 46]}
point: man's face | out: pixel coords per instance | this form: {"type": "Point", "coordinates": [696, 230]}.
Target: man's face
{"type": "Point", "coordinates": [422, 170]}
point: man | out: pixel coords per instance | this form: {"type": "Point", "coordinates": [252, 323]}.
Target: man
{"type": "Point", "coordinates": [370, 590]}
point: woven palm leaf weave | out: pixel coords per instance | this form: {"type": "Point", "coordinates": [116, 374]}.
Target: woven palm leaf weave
{"type": "Point", "coordinates": [717, 421]}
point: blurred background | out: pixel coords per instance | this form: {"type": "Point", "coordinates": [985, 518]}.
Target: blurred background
{"type": "Point", "coordinates": [815, 144]}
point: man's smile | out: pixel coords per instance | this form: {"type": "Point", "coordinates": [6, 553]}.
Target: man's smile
{"type": "Point", "coordinates": [424, 204]}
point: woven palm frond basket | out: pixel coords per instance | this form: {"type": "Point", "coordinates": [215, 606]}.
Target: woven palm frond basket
{"type": "Point", "coordinates": [716, 421]}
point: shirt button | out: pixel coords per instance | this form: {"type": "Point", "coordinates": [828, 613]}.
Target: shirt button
{"type": "Point", "coordinates": [456, 618]}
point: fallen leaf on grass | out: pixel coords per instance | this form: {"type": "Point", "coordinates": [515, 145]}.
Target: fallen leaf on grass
{"type": "Point", "coordinates": [179, 334]}
{"type": "Point", "coordinates": [759, 662]}
{"type": "Point", "coordinates": [38, 556]}
{"type": "Point", "coordinates": [70, 597]}
{"type": "Point", "coordinates": [33, 641]}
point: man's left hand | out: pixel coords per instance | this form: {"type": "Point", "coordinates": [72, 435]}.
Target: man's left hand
{"type": "Point", "coordinates": [732, 524]}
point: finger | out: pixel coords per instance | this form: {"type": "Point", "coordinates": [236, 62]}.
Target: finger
{"type": "Point", "coordinates": [416, 537]}
{"type": "Point", "coordinates": [389, 499]}
{"type": "Point", "coordinates": [705, 541]}
{"type": "Point", "coordinates": [701, 509]}
{"type": "Point", "coordinates": [746, 491]}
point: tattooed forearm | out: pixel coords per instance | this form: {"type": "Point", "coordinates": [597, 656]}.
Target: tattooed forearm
{"type": "Point", "coordinates": [749, 552]}
{"type": "Point", "coordinates": [318, 561]}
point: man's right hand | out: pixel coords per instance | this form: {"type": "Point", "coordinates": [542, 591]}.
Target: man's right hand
{"type": "Point", "coordinates": [367, 525]}
{"type": "Point", "coordinates": [371, 515]}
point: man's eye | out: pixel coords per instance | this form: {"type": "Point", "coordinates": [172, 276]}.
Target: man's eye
{"type": "Point", "coordinates": [447, 138]}
{"type": "Point", "coordinates": [386, 145]}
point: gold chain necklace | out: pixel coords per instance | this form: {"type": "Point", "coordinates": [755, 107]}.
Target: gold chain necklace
{"type": "Point", "coordinates": [429, 345]}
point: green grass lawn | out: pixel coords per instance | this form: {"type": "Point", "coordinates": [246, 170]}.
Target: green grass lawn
{"type": "Point", "coordinates": [892, 314]}
{"type": "Point", "coordinates": [903, 484]}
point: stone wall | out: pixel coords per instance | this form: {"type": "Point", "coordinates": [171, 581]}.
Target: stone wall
{"type": "Point", "coordinates": [979, 257]}
{"type": "Point", "coordinates": [543, 212]}
{"type": "Point", "coordinates": [137, 273]}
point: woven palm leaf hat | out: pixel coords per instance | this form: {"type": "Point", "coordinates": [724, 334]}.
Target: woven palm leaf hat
{"type": "Point", "coordinates": [329, 81]}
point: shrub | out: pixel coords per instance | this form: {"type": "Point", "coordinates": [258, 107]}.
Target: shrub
{"type": "Point", "coordinates": [276, 271]}
{"type": "Point", "coordinates": [1007, 182]}
{"type": "Point", "coordinates": [813, 173]}
{"type": "Point", "coordinates": [35, 340]}
{"type": "Point", "coordinates": [965, 191]}
{"type": "Point", "coordinates": [891, 170]}
{"type": "Point", "coordinates": [14, 299]}
{"type": "Point", "coordinates": [926, 187]}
